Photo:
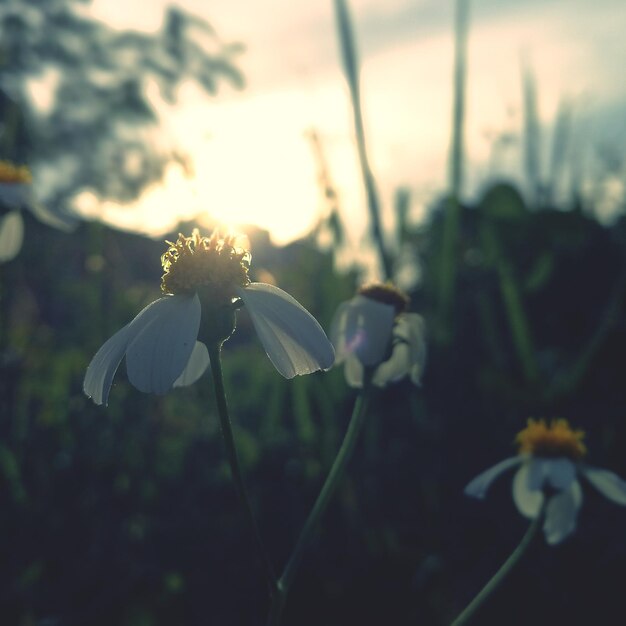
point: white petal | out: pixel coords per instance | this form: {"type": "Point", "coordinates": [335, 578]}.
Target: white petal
{"type": "Point", "coordinates": [339, 329]}
{"type": "Point", "coordinates": [100, 372]}
{"type": "Point", "coordinates": [410, 327]}
{"type": "Point", "coordinates": [561, 513]}
{"type": "Point", "coordinates": [293, 339]}
{"type": "Point", "coordinates": [527, 500]}
{"type": "Point", "coordinates": [198, 362]}
{"type": "Point", "coordinates": [416, 372]}
{"type": "Point", "coordinates": [558, 473]}
{"type": "Point", "coordinates": [353, 372]}
{"type": "Point", "coordinates": [159, 353]}
{"type": "Point", "coordinates": [414, 325]}
{"type": "Point", "coordinates": [607, 483]}
{"type": "Point", "coordinates": [478, 486]}
{"type": "Point", "coordinates": [537, 471]}
{"type": "Point", "coordinates": [11, 235]}
{"type": "Point", "coordinates": [14, 195]}
{"type": "Point", "coordinates": [104, 364]}
{"type": "Point", "coordinates": [561, 473]}
{"type": "Point", "coordinates": [408, 354]}
{"type": "Point", "coordinates": [363, 327]}
{"type": "Point", "coordinates": [395, 368]}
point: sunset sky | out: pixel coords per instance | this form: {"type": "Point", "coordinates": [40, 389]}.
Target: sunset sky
{"type": "Point", "coordinates": [253, 161]}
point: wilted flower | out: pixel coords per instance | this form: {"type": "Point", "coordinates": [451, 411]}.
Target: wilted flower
{"type": "Point", "coordinates": [206, 277]}
{"type": "Point", "coordinates": [550, 461]}
{"type": "Point", "coordinates": [373, 330]}
{"type": "Point", "coordinates": [16, 193]}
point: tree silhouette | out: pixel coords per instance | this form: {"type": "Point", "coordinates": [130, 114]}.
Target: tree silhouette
{"type": "Point", "coordinates": [97, 133]}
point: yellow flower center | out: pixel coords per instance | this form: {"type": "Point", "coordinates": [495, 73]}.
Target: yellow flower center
{"type": "Point", "coordinates": [386, 293]}
{"type": "Point", "coordinates": [12, 174]}
{"type": "Point", "coordinates": [551, 440]}
{"type": "Point", "coordinates": [210, 262]}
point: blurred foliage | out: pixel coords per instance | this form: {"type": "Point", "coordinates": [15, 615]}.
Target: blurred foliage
{"type": "Point", "coordinates": [126, 514]}
{"type": "Point", "coordinates": [95, 130]}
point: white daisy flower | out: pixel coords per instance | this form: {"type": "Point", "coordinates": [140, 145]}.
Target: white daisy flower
{"type": "Point", "coordinates": [16, 192]}
{"type": "Point", "coordinates": [15, 184]}
{"type": "Point", "coordinates": [205, 281]}
{"type": "Point", "coordinates": [372, 330]}
{"type": "Point", "coordinates": [549, 464]}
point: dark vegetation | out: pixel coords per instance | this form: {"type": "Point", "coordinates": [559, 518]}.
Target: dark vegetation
{"type": "Point", "coordinates": [127, 515]}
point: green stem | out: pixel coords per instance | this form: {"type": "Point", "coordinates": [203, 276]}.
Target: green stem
{"type": "Point", "coordinates": [566, 382]}
{"type": "Point", "coordinates": [518, 320]}
{"type": "Point", "coordinates": [506, 567]}
{"type": "Point", "coordinates": [233, 460]}
{"type": "Point", "coordinates": [513, 301]}
{"type": "Point", "coordinates": [332, 480]}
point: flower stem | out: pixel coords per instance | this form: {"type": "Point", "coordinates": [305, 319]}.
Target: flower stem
{"type": "Point", "coordinates": [332, 480]}
{"type": "Point", "coordinates": [233, 460]}
{"type": "Point", "coordinates": [466, 615]}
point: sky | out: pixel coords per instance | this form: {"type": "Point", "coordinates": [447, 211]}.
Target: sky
{"type": "Point", "coordinates": [253, 159]}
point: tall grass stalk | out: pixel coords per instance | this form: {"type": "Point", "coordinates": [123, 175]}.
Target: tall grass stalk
{"type": "Point", "coordinates": [532, 138]}
{"type": "Point", "coordinates": [519, 324]}
{"type": "Point", "coordinates": [447, 272]}
{"type": "Point", "coordinates": [351, 69]}
{"type": "Point", "coordinates": [560, 147]}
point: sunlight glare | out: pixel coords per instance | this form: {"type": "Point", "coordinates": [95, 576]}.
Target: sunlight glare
{"type": "Point", "coordinates": [255, 166]}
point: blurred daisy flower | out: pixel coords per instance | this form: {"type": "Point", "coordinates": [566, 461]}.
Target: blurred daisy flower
{"type": "Point", "coordinates": [549, 464]}
{"type": "Point", "coordinates": [205, 281]}
{"type": "Point", "coordinates": [15, 183]}
{"type": "Point", "coordinates": [15, 194]}
{"type": "Point", "coordinates": [373, 330]}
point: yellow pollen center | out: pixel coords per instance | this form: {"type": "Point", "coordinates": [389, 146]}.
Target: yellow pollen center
{"type": "Point", "coordinates": [14, 174]}
{"type": "Point", "coordinates": [551, 440]}
{"type": "Point", "coordinates": [386, 293]}
{"type": "Point", "coordinates": [212, 262]}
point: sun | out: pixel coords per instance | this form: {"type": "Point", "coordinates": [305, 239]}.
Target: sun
{"type": "Point", "coordinates": [255, 166]}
